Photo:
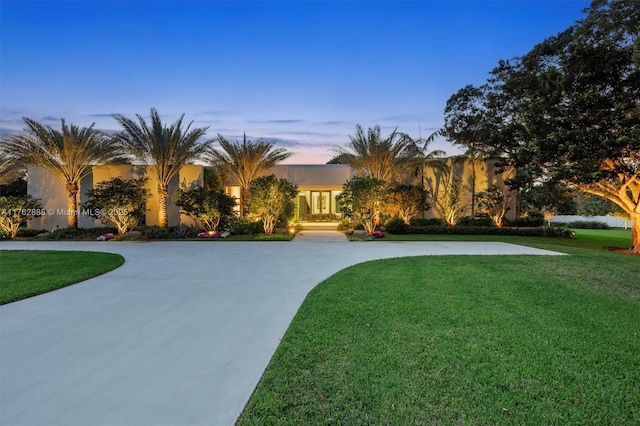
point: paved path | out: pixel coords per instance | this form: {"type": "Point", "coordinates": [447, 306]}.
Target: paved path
{"type": "Point", "coordinates": [179, 335]}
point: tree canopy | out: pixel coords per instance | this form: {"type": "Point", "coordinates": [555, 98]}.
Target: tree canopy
{"type": "Point", "coordinates": [245, 161]}
{"type": "Point", "coordinates": [568, 111]}
{"type": "Point", "coordinates": [69, 154]}
{"type": "Point", "coordinates": [384, 158]}
{"type": "Point", "coordinates": [164, 149]}
{"type": "Point", "coordinates": [272, 199]}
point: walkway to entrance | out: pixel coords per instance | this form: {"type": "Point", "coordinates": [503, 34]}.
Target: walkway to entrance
{"type": "Point", "coordinates": [178, 335]}
{"type": "Point", "coordinates": [320, 235]}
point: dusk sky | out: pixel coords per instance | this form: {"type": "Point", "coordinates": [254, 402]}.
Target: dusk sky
{"type": "Point", "coordinates": [303, 73]}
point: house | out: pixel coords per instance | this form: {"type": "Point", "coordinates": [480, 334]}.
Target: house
{"type": "Point", "coordinates": [318, 185]}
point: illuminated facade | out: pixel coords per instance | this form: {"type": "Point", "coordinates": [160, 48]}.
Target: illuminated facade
{"type": "Point", "coordinates": [318, 186]}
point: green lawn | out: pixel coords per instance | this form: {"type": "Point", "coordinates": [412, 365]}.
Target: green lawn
{"type": "Point", "coordinates": [28, 273]}
{"type": "Point", "coordinates": [465, 340]}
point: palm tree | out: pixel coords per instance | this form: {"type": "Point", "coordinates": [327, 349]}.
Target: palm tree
{"type": "Point", "coordinates": [425, 158]}
{"type": "Point", "coordinates": [475, 155]}
{"type": "Point", "coordinates": [428, 159]}
{"type": "Point", "coordinates": [243, 162]}
{"type": "Point", "coordinates": [10, 169]}
{"type": "Point", "coordinates": [68, 154]}
{"type": "Point", "coordinates": [165, 150]}
{"type": "Point", "coordinates": [372, 155]}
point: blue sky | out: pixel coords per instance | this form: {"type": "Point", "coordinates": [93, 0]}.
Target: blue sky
{"type": "Point", "coordinates": [301, 72]}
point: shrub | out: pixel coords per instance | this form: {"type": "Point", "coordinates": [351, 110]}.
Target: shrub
{"type": "Point", "coordinates": [428, 222]}
{"type": "Point", "coordinates": [157, 233]}
{"type": "Point", "coordinates": [358, 227]}
{"type": "Point", "coordinates": [587, 224]}
{"type": "Point", "coordinates": [345, 224]}
{"type": "Point", "coordinates": [118, 202]}
{"type": "Point", "coordinates": [406, 201]}
{"type": "Point", "coordinates": [541, 231]}
{"type": "Point", "coordinates": [363, 199]}
{"type": "Point", "coordinates": [531, 220]}
{"type": "Point", "coordinates": [272, 200]}
{"type": "Point", "coordinates": [14, 211]}
{"type": "Point", "coordinates": [471, 221]}
{"type": "Point", "coordinates": [209, 208]}
{"type": "Point", "coordinates": [396, 225]}
{"type": "Point", "coordinates": [79, 234]}
{"type": "Point", "coordinates": [185, 231]}
{"type": "Point", "coordinates": [244, 226]}
{"type": "Point", "coordinates": [28, 233]}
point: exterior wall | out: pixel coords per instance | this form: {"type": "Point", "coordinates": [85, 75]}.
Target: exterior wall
{"type": "Point", "coordinates": [485, 176]}
{"type": "Point", "coordinates": [310, 178]}
{"type": "Point", "coordinates": [51, 191]}
{"type": "Point", "coordinates": [314, 176]}
{"type": "Point", "coordinates": [328, 178]}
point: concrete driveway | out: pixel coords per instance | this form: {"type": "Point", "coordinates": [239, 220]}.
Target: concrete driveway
{"type": "Point", "coordinates": [179, 335]}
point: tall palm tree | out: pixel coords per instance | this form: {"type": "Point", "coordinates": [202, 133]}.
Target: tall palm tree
{"type": "Point", "coordinates": [425, 158]}
{"type": "Point", "coordinates": [372, 155]}
{"type": "Point", "coordinates": [244, 161]}
{"type": "Point", "coordinates": [165, 150]}
{"type": "Point", "coordinates": [475, 155]}
{"type": "Point", "coordinates": [428, 159]}
{"type": "Point", "coordinates": [69, 154]}
{"type": "Point", "coordinates": [10, 169]}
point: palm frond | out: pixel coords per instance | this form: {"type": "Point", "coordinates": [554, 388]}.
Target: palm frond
{"type": "Point", "coordinates": [384, 158]}
{"type": "Point", "coordinates": [165, 149]}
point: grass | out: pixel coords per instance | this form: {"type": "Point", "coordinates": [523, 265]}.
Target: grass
{"type": "Point", "coordinates": [29, 273]}
{"type": "Point", "coordinates": [465, 340]}
{"type": "Point", "coordinates": [585, 238]}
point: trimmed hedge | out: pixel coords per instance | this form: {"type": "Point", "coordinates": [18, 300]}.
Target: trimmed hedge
{"type": "Point", "coordinates": [470, 221]}
{"type": "Point", "coordinates": [79, 234]}
{"type": "Point", "coordinates": [428, 222]}
{"type": "Point", "coordinates": [541, 231]}
{"type": "Point", "coordinates": [526, 222]}
{"type": "Point", "coordinates": [587, 224]}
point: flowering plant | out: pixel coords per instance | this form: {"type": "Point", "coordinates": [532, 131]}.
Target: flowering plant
{"type": "Point", "coordinates": [377, 234]}
{"type": "Point", "coordinates": [105, 237]}
{"type": "Point", "coordinates": [213, 234]}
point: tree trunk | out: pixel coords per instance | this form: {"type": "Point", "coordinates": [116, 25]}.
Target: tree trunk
{"type": "Point", "coordinates": [243, 201]}
{"type": "Point", "coordinates": [163, 194]}
{"type": "Point", "coordinates": [473, 187]}
{"type": "Point", "coordinates": [635, 233]}
{"type": "Point", "coordinates": [72, 205]}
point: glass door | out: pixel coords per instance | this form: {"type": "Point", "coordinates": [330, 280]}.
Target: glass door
{"type": "Point", "coordinates": [320, 206]}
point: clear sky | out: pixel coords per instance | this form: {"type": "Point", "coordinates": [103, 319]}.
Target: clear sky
{"type": "Point", "coordinates": [301, 72]}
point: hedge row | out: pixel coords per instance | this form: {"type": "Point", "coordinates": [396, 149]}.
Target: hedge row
{"type": "Point", "coordinates": [541, 231]}
{"type": "Point", "coordinates": [583, 224]}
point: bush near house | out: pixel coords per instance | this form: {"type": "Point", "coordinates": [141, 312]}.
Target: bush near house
{"type": "Point", "coordinates": [210, 209]}
{"type": "Point", "coordinates": [476, 221]}
{"type": "Point", "coordinates": [15, 211]}
{"type": "Point", "coordinates": [363, 200]}
{"type": "Point", "coordinates": [428, 222]}
{"type": "Point", "coordinates": [79, 234]}
{"type": "Point", "coordinates": [272, 200]}
{"type": "Point", "coordinates": [118, 202]}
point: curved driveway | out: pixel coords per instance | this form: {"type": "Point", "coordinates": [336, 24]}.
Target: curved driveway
{"type": "Point", "coordinates": [179, 335]}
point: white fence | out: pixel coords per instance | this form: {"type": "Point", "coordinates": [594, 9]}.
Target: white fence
{"type": "Point", "coordinates": [614, 222]}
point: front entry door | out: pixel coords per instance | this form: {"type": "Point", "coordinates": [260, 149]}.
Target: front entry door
{"type": "Point", "coordinates": [320, 206]}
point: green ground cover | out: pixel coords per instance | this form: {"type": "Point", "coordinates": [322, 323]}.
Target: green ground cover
{"type": "Point", "coordinates": [26, 273]}
{"type": "Point", "coordinates": [465, 340]}
{"type": "Point", "coordinates": [585, 238]}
